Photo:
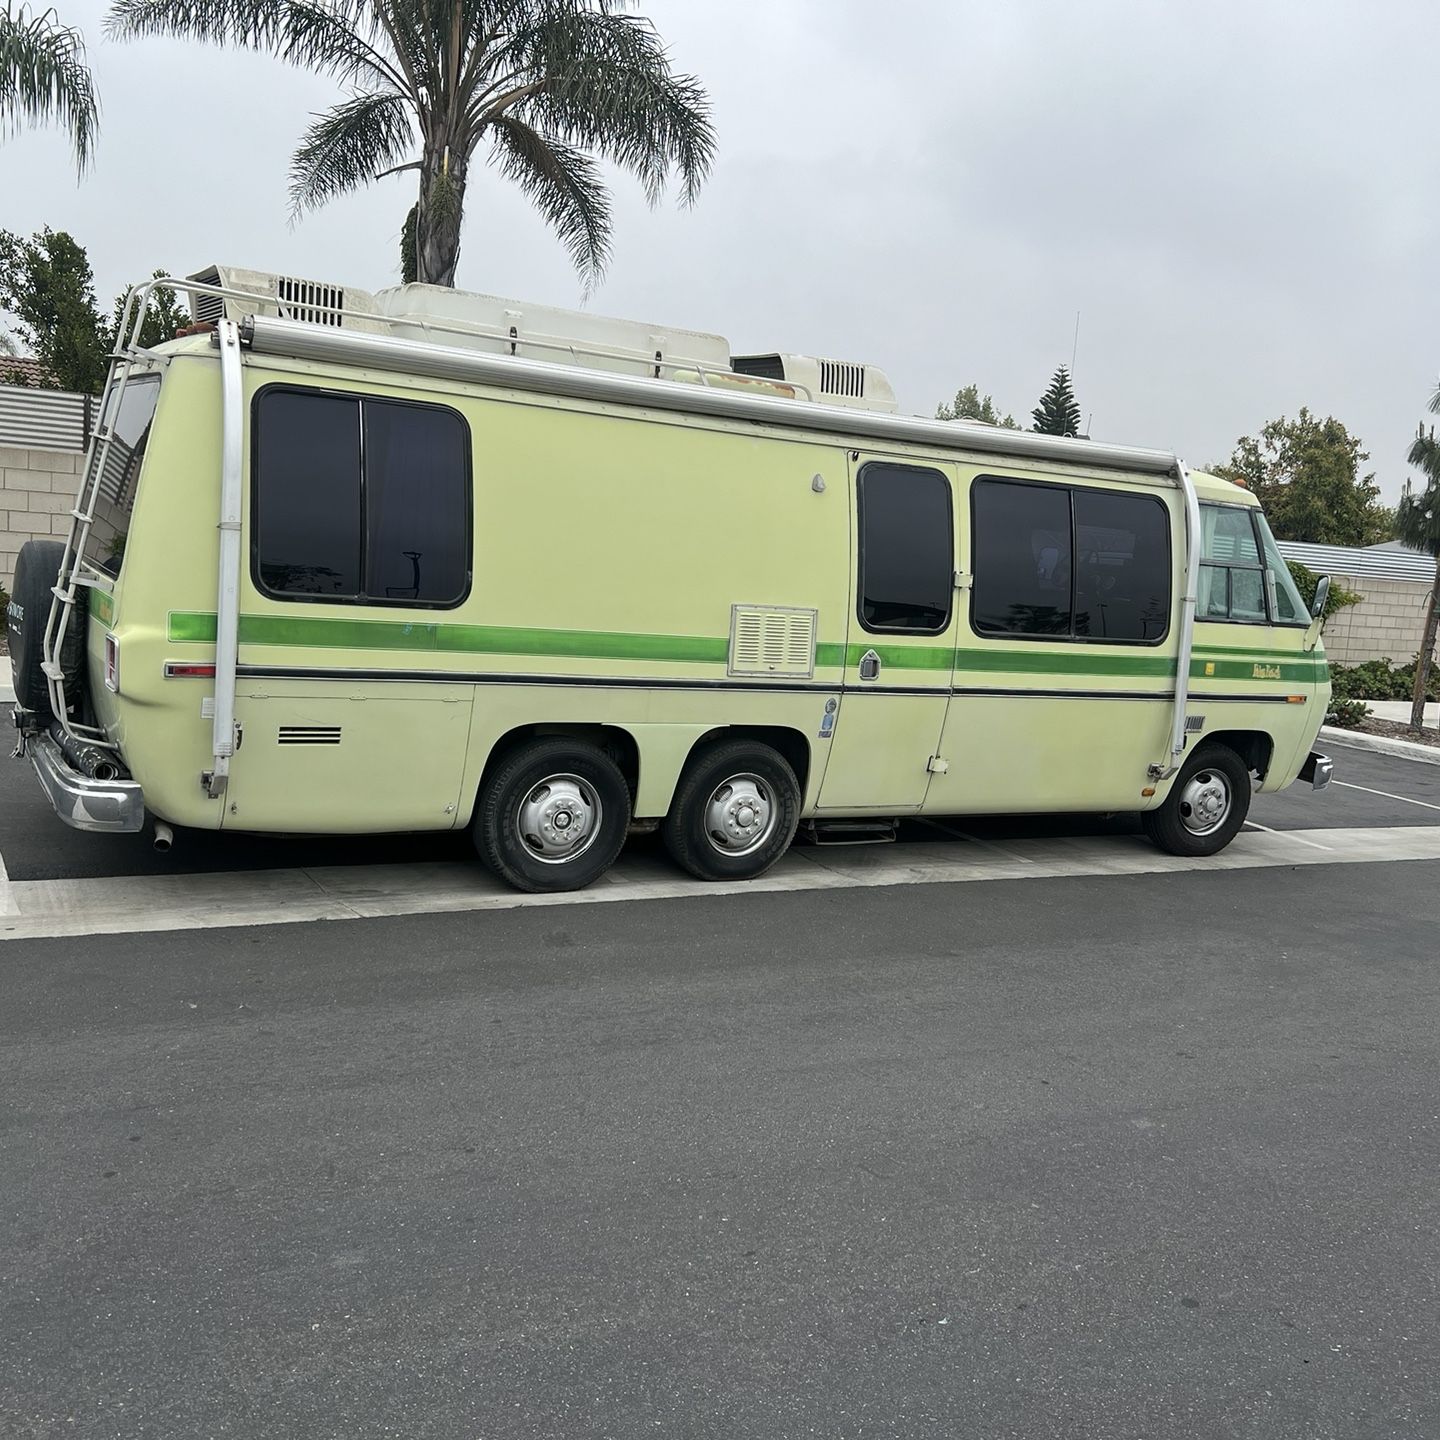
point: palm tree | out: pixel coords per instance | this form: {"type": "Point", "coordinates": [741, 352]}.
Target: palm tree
{"type": "Point", "coordinates": [543, 90]}
{"type": "Point", "coordinates": [1417, 523]}
{"type": "Point", "coordinates": [43, 77]}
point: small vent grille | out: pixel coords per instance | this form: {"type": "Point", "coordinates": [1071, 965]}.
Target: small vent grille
{"type": "Point", "coordinates": [764, 367]}
{"type": "Point", "coordinates": [306, 300]}
{"type": "Point", "coordinates": [209, 309]}
{"type": "Point", "coordinates": [309, 735]}
{"type": "Point", "coordinates": [837, 378]}
{"type": "Point", "coordinates": [772, 640]}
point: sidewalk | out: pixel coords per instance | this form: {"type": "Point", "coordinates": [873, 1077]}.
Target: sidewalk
{"type": "Point", "coordinates": [1400, 710]}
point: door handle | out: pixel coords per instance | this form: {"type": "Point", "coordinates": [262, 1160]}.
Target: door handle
{"type": "Point", "coordinates": [869, 666]}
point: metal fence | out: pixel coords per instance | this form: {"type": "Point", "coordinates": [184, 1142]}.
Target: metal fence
{"type": "Point", "coordinates": [45, 419]}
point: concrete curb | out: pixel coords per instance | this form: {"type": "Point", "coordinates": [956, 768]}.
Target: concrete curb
{"type": "Point", "coordinates": [1381, 745]}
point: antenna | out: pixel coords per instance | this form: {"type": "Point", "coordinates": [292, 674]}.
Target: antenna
{"type": "Point", "coordinates": [1075, 348]}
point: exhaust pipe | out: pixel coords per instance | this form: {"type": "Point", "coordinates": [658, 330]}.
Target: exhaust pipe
{"type": "Point", "coordinates": [105, 770]}
{"type": "Point", "coordinates": [164, 837]}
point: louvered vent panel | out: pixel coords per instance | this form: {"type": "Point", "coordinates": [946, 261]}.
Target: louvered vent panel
{"type": "Point", "coordinates": [309, 735]}
{"type": "Point", "coordinates": [772, 640]}
{"type": "Point", "coordinates": [209, 309]}
{"type": "Point", "coordinates": [306, 300]}
{"type": "Point", "coordinates": [837, 378]}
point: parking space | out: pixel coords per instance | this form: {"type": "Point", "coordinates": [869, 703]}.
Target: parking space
{"type": "Point", "coordinates": [1371, 791]}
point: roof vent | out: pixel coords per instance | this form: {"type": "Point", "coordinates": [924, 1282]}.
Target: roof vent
{"type": "Point", "coordinates": [830, 382]}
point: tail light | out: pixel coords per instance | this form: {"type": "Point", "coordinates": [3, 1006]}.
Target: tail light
{"type": "Point", "coordinates": [112, 663]}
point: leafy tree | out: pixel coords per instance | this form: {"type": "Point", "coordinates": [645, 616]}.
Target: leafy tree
{"type": "Point", "coordinates": [1417, 522]}
{"type": "Point", "coordinates": [1306, 473]}
{"type": "Point", "coordinates": [969, 405]}
{"type": "Point", "coordinates": [1057, 413]}
{"type": "Point", "coordinates": [47, 284]}
{"type": "Point", "coordinates": [43, 78]}
{"type": "Point", "coordinates": [544, 90]}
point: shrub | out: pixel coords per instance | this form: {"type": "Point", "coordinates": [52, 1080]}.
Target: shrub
{"type": "Point", "coordinates": [1347, 713]}
{"type": "Point", "coordinates": [4, 605]}
{"type": "Point", "coordinates": [1380, 680]}
{"type": "Point", "coordinates": [1306, 580]}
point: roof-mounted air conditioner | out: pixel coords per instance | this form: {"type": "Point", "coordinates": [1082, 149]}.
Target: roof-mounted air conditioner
{"type": "Point", "coordinates": [316, 302]}
{"type": "Point", "coordinates": [829, 382]}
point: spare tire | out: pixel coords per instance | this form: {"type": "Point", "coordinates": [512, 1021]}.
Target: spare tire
{"type": "Point", "coordinates": [37, 568]}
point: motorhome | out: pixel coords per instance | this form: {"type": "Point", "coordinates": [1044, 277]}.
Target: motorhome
{"type": "Point", "coordinates": [423, 560]}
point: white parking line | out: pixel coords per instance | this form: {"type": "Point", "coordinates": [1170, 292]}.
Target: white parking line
{"type": "Point", "coordinates": [1256, 825]}
{"type": "Point", "coordinates": [54, 908]}
{"type": "Point", "coordinates": [1386, 794]}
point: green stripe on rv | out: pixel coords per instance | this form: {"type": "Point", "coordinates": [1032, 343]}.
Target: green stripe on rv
{"type": "Point", "coordinates": [330, 633]}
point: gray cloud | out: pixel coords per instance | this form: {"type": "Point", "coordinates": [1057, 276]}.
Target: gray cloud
{"type": "Point", "coordinates": [1241, 200]}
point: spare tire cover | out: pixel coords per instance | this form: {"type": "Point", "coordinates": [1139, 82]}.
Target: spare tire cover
{"type": "Point", "coordinates": [37, 568]}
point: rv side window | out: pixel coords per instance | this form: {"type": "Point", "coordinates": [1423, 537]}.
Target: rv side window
{"type": "Point", "coordinates": [360, 500]}
{"type": "Point", "coordinates": [1022, 558]}
{"type": "Point", "coordinates": [1122, 566]}
{"type": "Point", "coordinates": [907, 548]}
{"type": "Point", "coordinates": [1053, 562]}
{"type": "Point", "coordinates": [1232, 578]}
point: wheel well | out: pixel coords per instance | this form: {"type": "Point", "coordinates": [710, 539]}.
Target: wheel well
{"type": "Point", "coordinates": [1254, 747]}
{"type": "Point", "coordinates": [790, 743]}
{"type": "Point", "coordinates": [618, 744]}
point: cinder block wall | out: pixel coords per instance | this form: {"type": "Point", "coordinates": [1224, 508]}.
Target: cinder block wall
{"type": "Point", "coordinates": [37, 493]}
{"type": "Point", "coordinates": [1388, 623]}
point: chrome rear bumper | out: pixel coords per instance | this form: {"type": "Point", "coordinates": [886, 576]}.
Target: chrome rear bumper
{"type": "Point", "coordinates": [1318, 769]}
{"type": "Point", "coordinates": [117, 806]}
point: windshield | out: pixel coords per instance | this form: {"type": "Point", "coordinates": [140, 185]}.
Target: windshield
{"type": "Point", "coordinates": [1290, 609]}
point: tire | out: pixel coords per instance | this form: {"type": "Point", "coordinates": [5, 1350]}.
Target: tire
{"type": "Point", "coordinates": [737, 835]}
{"type": "Point", "coordinates": [526, 837]}
{"type": "Point", "coordinates": [37, 568]}
{"type": "Point", "coordinates": [1183, 824]}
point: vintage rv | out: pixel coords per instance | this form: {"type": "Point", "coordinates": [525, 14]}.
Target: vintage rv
{"type": "Point", "coordinates": [424, 560]}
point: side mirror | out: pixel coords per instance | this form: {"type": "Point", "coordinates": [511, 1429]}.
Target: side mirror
{"type": "Point", "coordinates": [1322, 594]}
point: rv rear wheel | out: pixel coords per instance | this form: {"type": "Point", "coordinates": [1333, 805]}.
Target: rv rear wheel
{"type": "Point", "coordinates": [1206, 805]}
{"type": "Point", "coordinates": [734, 813]}
{"type": "Point", "coordinates": [553, 815]}
{"type": "Point", "coordinates": [37, 568]}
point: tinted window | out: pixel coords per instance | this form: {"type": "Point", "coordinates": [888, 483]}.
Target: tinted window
{"type": "Point", "coordinates": [416, 504]}
{"type": "Point", "coordinates": [907, 556]}
{"type": "Point", "coordinates": [1122, 566]}
{"type": "Point", "coordinates": [307, 494]}
{"type": "Point", "coordinates": [386, 521]}
{"type": "Point", "coordinates": [1022, 558]}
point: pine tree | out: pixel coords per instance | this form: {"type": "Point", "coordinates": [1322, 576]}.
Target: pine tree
{"type": "Point", "coordinates": [1057, 413]}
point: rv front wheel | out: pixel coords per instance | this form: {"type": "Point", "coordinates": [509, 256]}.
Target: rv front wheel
{"type": "Point", "coordinates": [1206, 805]}
{"type": "Point", "coordinates": [553, 815]}
{"type": "Point", "coordinates": [734, 813]}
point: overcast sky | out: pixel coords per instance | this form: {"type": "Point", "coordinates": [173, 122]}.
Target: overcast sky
{"type": "Point", "coordinates": [1242, 200]}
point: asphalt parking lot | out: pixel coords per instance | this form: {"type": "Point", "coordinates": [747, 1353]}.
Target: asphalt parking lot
{"type": "Point", "coordinates": [1104, 1154]}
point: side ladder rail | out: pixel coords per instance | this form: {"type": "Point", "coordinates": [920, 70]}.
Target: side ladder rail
{"type": "Point", "coordinates": [1187, 626]}
{"type": "Point", "coordinates": [227, 609]}
{"type": "Point", "coordinates": [82, 515]}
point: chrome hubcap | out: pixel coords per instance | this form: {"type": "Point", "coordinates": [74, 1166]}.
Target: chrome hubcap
{"type": "Point", "coordinates": [559, 819]}
{"type": "Point", "coordinates": [740, 815]}
{"type": "Point", "coordinates": [1205, 802]}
